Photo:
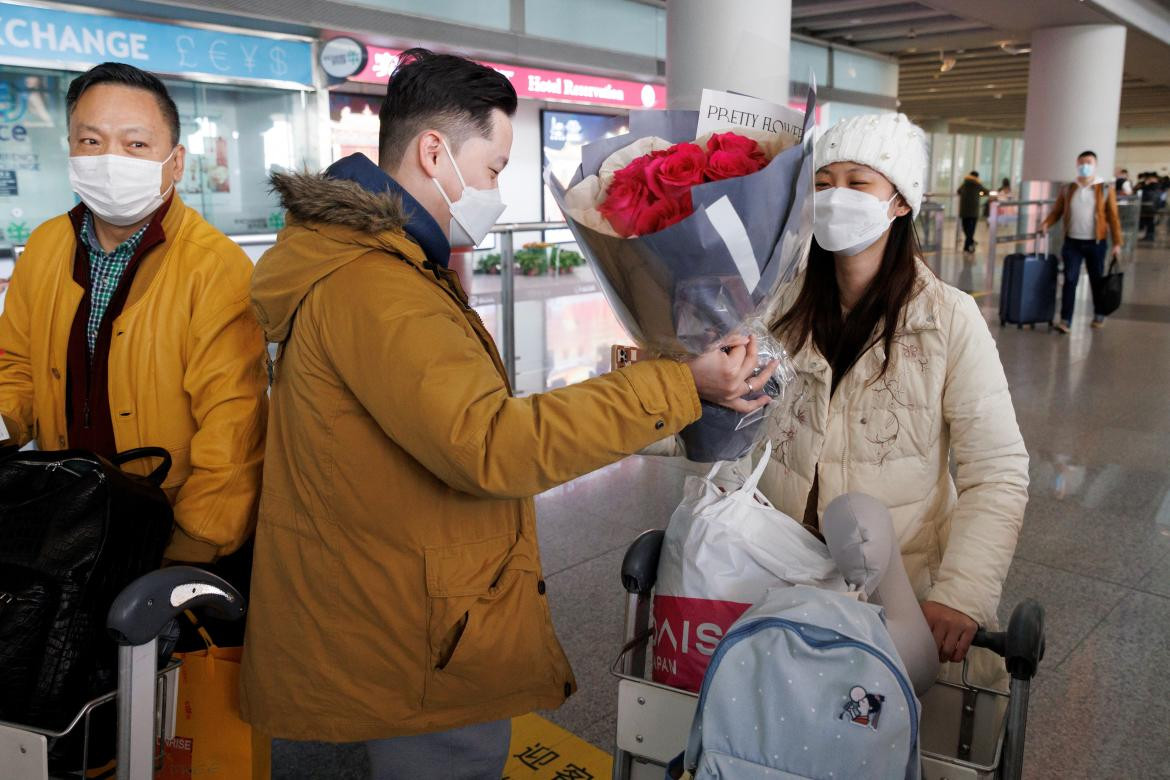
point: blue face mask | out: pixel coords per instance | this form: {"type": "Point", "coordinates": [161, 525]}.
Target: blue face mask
{"type": "Point", "coordinates": [1086, 169]}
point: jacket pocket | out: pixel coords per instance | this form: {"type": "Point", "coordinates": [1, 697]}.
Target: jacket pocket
{"type": "Point", "coordinates": [489, 635]}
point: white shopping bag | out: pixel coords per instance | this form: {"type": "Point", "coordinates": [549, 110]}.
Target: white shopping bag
{"type": "Point", "coordinates": [723, 549]}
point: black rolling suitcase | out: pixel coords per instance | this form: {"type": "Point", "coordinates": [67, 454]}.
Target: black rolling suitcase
{"type": "Point", "coordinates": [1027, 293]}
{"type": "Point", "coordinates": [76, 529]}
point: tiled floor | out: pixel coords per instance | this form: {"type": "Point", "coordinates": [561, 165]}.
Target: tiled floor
{"type": "Point", "coordinates": [1094, 407]}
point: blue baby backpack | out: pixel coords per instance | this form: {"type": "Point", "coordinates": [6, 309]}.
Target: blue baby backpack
{"type": "Point", "coordinates": [806, 684]}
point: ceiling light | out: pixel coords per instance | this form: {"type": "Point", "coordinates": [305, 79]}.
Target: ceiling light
{"type": "Point", "coordinates": [998, 96]}
{"type": "Point", "coordinates": [1011, 48]}
{"type": "Point", "coordinates": [912, 50]}
{"type": "Point", "coordinates": [911, 33]}
{"type": "Point", "coordinates": [945, 63]}
{"type": "Point", "coordinates": [991, 86]}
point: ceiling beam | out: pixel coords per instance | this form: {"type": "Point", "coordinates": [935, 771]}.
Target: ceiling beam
{"type": "Point", "coordinates": [850, 21]}
{"type": "Point", "coordinates": [818, 8]}
{"type": "Point", "coordinates": [902, 31]}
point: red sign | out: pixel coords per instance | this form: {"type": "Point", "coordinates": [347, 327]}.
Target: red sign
{"type": "Point", "coordinates": [538, 84]}
{"type": "Point", "coordinates": [686, 632]}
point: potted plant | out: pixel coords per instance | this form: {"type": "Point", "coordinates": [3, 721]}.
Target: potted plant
{"type": "Point", "coordinates": [488, 264]}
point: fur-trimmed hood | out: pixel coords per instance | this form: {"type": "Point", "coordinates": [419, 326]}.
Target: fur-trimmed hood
{"type": "Point", "coordinates": [334, 218]}
{"type": "Point", "coordinates": [319, 198]}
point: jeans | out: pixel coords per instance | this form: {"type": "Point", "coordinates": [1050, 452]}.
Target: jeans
{"type": "Point", "coordinates": [476, 752]}
{"type": "Point", "coordinates": [1093, 254]}
{"type": "Point", "coordinates": [969, 224]}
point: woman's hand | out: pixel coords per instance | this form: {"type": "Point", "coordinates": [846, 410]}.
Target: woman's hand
{"type": "Point", "coordinates": [953, 630]}
{"type": "Point", "coordinates": [727, 373]}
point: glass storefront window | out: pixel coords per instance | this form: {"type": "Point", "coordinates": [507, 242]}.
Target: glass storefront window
{"type": "Point", "coordinates": [942, 150]}
{"type": "Point", "coordinates": [986, 165]}
{"type": "Point", "coordinates": [34, 152]}
{"type": "Point", "coordinates": [479, 13]}
{"type": "Point", "coordinates": [353, 125]}
{"type": "Point", "coordinates": [802, 57]}
{"type": "Point", "coordinates": [859, 73]}
{"type": "Point", "coordinates": [235, 136]}
{"type": "Point", "coordinates": [1003, 162]}
{"type": "Point", "coordinates": [617, 25]}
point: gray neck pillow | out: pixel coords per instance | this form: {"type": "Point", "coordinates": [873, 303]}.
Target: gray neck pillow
{"type": "Point", "coordinates": [860, 535]}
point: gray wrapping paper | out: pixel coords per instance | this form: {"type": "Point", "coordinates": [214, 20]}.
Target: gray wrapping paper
{"type": "Point", "coordinates": [679, 291]}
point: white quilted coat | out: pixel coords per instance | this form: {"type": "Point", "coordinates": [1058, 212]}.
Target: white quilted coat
{"type": "Point", "coordinates": [945, 398]}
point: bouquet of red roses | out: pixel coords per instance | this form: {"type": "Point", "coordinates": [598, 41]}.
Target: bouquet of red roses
{"type": "Point", "coordinates": [654, 191]}
{"type": "Point", "coordinates": [690, 235]}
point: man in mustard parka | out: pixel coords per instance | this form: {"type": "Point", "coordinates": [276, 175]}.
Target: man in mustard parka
{"type": "Point", "coordinates": [397, 595]}
{"type": "Point", "coordinates": [127, 322]}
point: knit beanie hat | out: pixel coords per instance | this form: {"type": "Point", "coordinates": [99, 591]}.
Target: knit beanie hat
{"type": "Point", "coordinates": [889, 143]}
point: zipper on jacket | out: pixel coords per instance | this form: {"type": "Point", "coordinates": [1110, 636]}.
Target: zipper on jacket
{"type": "Point", "coordinates": [745, 631]}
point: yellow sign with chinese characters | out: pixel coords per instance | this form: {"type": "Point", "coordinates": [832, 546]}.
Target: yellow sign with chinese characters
{"type": "Point", "coordinates": [542, 750]}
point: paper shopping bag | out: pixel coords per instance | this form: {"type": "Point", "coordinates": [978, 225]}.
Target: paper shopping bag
{"type": "Point", "coordinates": [211, 741]}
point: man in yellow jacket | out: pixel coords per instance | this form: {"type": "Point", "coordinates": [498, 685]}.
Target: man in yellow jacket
{"type": "Point", "coordinates": [397, 595]}
{"type": "Point", "coordinates": [127, 323]}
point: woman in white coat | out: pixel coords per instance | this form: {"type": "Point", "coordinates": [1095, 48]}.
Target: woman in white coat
{"type": "Point", "coordinates": [898, 380]}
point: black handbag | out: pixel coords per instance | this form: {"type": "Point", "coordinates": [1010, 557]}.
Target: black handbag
{"type": "Point", "coordinates": [1109, 294]}
{"type": "Point", "coordinates": [76, 530]}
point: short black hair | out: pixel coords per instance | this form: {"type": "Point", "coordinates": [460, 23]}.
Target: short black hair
{"type": "Point", "coordinates": [126, 76]}
{"type": "Point", "coordinates": [440, 91]}
{"type": "Point", "coordinates": [974, 173]}
{"type": "Point", "coordinates": [1087, 153]}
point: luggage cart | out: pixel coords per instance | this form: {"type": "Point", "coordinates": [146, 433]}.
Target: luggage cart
{"type": "Point", "coordinates": [966, 732]}
{"type": "Point", "coordinates": [146, 697]}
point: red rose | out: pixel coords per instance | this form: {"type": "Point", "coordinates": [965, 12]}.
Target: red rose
{"type": "Point", "coordinates": [741, 144]}
{"type": "Point", "coordinates": [675, 172]}
{"type": "Point", "coordinates": [627, 198]}
{"type": "Point", "coordinates": [663, 213]}
{"type": "Point", "coordinates": [724, 164]}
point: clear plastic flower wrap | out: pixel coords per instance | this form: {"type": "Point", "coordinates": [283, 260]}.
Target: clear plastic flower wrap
{"type": "Point", "coordinates": [704, 270]}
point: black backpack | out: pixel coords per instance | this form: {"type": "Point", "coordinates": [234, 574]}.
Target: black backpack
{"type": "Point", "coordinates": [76, 529]}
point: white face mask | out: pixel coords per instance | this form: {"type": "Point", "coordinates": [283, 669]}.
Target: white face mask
{"type": "Point", "coordinates": [1086, 169]}
{"type": "Point", "coordinates": [849, 221]}
{"type": "Point", "coordinates": [475, 211]}
{"type": "Point", "coordinates": [117, 189]}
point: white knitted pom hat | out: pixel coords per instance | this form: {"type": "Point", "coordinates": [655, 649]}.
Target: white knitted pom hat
{"type": "Point", "coordinates": [889, 143]}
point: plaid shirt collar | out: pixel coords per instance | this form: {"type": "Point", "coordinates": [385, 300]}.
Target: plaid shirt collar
{"type": "Point", "coordinates": [121, 253]}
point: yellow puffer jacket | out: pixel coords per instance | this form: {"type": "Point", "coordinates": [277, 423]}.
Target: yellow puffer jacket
{"type": "Point", "coordinates": [397, 586]}
{"type": "Point", "coordinates": [186, 370]}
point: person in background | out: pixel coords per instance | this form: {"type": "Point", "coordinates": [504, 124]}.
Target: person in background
{"type": "Point", "coordinates": [971, 194]}
{"type": "Point", "coordinates": [1002, 195]}
{"type": "Point", "coordinates": [1122, 183]}
{"type": "Point", "coordinates": [1088, 207]}
{"type": "Point", "coordinates": [1148, 192]}
{"type": "Point", "coordinates": [127, 324]}
{"type": "Point", "coordinates": [397, 596]}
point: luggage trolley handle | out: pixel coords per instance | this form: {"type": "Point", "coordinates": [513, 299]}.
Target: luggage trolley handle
{"type": "Point", "coordinates": [137, 616]}
{"type": "Point", "coordinates": [1022, 648]}
{"type": "Point", "coordinates": [1022, 645]}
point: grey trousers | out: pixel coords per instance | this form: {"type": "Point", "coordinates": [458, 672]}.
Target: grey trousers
{"type": "Point", "coordinates": [471, 753]}
{"type": "Point", "coordinates": [476, 752]}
